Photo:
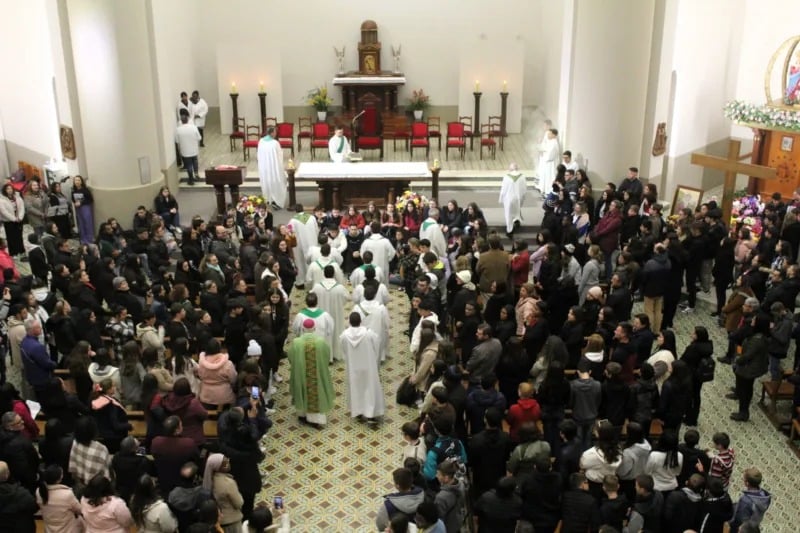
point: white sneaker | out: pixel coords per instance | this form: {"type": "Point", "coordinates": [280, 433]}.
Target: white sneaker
{"type": "Point", "coordinates": [277, 378]}
{"type": "Point", "coordinates": [269, 411]}
{"type": "Point", "coordinates": [688, 310]}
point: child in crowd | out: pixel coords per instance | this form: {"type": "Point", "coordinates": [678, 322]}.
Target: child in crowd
{"type": "Point", "coordinates": [414, 446]}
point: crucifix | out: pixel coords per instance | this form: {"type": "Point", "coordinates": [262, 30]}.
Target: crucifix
{"type": "Point", "coordinates": [732, 166]}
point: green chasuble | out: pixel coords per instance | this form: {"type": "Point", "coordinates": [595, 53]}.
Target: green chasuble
{"type": "Point", "coordinates": [310, 378]}
{"type": "Point", "coordinates": [302, 217]}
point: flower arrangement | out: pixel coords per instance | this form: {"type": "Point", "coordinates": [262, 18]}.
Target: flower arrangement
{"type": "Point", "coordinates": [407, 197]}
{"type": "Point", "coordinates": [419, 101]}
{"type": "Point", "coordinates": [319, 98]}
{"type": "Point", "coordinates": [747, 210]}
{"type": "Point", "coordinates": [785, 119]}
{"type": "Point", "coordinates": [250, 204]}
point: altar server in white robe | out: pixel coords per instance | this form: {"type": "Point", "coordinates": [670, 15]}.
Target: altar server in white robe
{"type": "Point", "coordinates": [338, 146]}
{"type": "Point", "coordinates": [359, 290]}
{"type": "Point", "coordinates": [549, 158]}
{"type": "Point", "coordinates": [512, 196]}
{"type": "Point", "coordinates": [323, 321]}
{"type": "Point", "coordinates": [315, 252]}
{"type": "Point", "coordinates": [316, 269]}
{"type": "Point", "coordinates": [358, 275]}
{"type": "Point", "coordinates": [332, 297]}
{"type": "Point", "coordinates": [382, 250]}
{"type": "Point", "coordinates": [364, 391]}
{"type": "Point", "coordinates": [304, 227]}
{"type": "Point", "coordinates": [375, 317]}
{"type": "Point", "coordinates": [271, 174]}
{"type": "Point", "coordinates": [199, 110]}
{"type": "Point", "coordinates": [431, 230]}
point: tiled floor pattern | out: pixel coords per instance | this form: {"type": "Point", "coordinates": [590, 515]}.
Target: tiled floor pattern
{"type": "Point", "coordinates": [333, 479]}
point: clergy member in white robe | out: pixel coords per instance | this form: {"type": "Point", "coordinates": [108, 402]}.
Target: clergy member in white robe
{"type": "Point", "coordinates": [382, 296]}
{"type": "Point", "coordinates": [375, 317]}
{"type": "Point", "coordinates": [382, 250]}
{"type": "Point", "coordinates": [304, 227]}
{"type": "Point", "coordinates": [316, 269]}
{"type": "Point", "coordinates": [431, 230]}
{"type": "Point", "coordinates": [332, 297]}
{"type": "Point", "coordinates": [358, 275]}
{"type": "Point", "coordinates": [512, 196]}
{"type": "Point", "coordinates": [549, 158]}
{"type": "Point", "coordinates": [364, 391]}
{"type": "Point", "coordinates": [338, 146]}
{"type": "Point", "coordinates": [270, 169]}
{"type": "Point", "coordinates": [323, 321]}
{"type": "Point", "coordinates": [315, 252]}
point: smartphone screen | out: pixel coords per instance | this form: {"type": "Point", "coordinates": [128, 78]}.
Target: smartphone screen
{"type": "Point", "coordinates": [255, 393]}
{"type": "Point", "coordinates": [278, 502]}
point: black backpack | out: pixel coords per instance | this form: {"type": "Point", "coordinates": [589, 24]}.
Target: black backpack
{"type": "Point", "coordinates": [705, 369]}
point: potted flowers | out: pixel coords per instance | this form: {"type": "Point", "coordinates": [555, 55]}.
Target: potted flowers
{"type": "Point", "coordinates": [320, 99]}
{"type": "Point", "coordinates": [418, 103]}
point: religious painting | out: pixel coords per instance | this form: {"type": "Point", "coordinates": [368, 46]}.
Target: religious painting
{"type": "Point", "coordinates": [67, 142]}
{"type": "Point", "coordinates": [787, 143]}
{"type": "Point", "coordinates": [369, 64]}
{"type": "Point", "coordinates": [686, 197]}
{"type": "Point", "coordinates": [660, 142]}
{"type": "Point", "coordinates": [792, 92]}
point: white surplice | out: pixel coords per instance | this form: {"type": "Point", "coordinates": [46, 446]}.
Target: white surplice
{"type": "Point", "coordinates": [382, 295]}
{"type": "Point", "coordinates": [512, 196]}
{"type": "Point", "coordinates": [357, 276]}
{"type": "Point", "coordinates": [332, 296]}
{"type": "Point", "coordinates": [314, 253]}
{"type": "Point", "coordinates": [548, 162]}
{"type": "Point", "coordinates": [323, 325]}
{"type": "Point", "coordinates": [430, 229]}
{"type": "Point", "coordinates": [316, 271]}
{"type": "Point", "coordinates": [364, 391]}
{"type": "Point", "coordinates": [305, 228]}
{"type": "Point", "coordinates": [270, 170]}
{"type": "Point", "coordinates": [375, 317]}
{"type": "Point", "coordinates": [382, 252]}
{"type": "Point", "coordinates": [337, 156]}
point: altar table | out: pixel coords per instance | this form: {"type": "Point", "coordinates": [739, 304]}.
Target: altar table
{"type": "Point", "coordinates": [343, 184]}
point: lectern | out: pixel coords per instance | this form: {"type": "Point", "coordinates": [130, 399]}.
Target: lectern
{"type": "Point", "coordinates": [221, 176]}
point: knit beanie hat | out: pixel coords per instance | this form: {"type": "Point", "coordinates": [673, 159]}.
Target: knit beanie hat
{"type": "Point", "coordinates": [253, 349]}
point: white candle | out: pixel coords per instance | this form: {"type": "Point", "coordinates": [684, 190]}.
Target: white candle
{"type": "Point", "coordinates": [505, 86]}
{"type": "Point", "coordinates": [261, 86]}
{"type": "Point", "coordinates": [477, 86]}
{"type": "Point", "coordinates": [233, 87]}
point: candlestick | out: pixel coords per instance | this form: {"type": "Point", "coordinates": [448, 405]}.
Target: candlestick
{"type": "Point", "coordinates": [477, 86]}
{"type": "Point", "coordinates": [505, 86]}
{"type": "Point", "coordinates": [261, 86]}
{"type": "Point", "coordinates": [233, 88]}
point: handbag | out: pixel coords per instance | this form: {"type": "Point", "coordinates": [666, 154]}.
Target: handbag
{"type": "Point", "coordinates": [406, 393]}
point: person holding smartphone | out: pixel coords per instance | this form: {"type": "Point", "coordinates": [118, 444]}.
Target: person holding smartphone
{"type": "Point", "coordinates": [263, 519]}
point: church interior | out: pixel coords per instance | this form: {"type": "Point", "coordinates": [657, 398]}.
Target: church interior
{"type": "Point", "coordinates": [91, 88]}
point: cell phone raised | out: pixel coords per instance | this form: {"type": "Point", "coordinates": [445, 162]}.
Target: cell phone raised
{"type": "Point", "coordinates": [278, 502]}
{"type": "Point", "coordinates": [255, 392]}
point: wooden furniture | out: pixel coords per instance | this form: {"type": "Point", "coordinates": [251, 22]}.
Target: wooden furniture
{"type": "Point", "coordinates": [396, 128]}
{"type": "Point", "coordinates": [468, 129]}
{"type": "Point", "coordinates": [420, 138]}
{"type": "Point", "coordinates": [238, 132]}
{"type": "Point", "coordinates": [435, 129]}
{"type": "Point", "coordinates": [368, 127]}
{"type": "Point", "coordinates": [221, 176]}
{"type": "Point", "coordinates": [369, 49]}
{"type": "Point", "coordinates": [341, 184]}
{"type": "Point", "coordinates": [776, 391]}
{"type": "Point", "coordinates": [455, 139]}
{"type": "Point", "coordinates": [384, 85]}
{"type": "Point", "coordinates": [320, 134]}
{"type": "Point", "coordinates": [304, 131]}
{"type": "Point", "coordinates": [251, 138]}
{"type": "Point", "coordinates": [496, 129]}
{"type": "Point", "coordinates": [781, 151]}
{"type": "Point", "coordinates": [284, 134]}
{"type": "Point", "coordinates": [487, 140]}
{"type": "Point", "coordinates": [269, 122]}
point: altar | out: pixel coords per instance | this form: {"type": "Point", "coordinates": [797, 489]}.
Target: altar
{"type": "Point", "coordinates": [343, 184]}
{"type": "Point", "coordinates": [384, 86]}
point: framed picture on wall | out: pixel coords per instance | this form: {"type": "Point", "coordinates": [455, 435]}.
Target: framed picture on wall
{"type": "Point", "coordinates": [67, 142]}
{"type": "Point", "coordinates": [787, 143]}
{"type": "Point", "coordinates": [686, 197]}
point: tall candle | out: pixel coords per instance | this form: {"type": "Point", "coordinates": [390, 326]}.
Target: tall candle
{"type": "Point", "coordinates": [505, 86]}
{"type": "Point", "coordinates": [477, 86]}
{"type": "Point", "coordinates": [261, 86]}
{"type": "Point", "coordinates": [233, 87]}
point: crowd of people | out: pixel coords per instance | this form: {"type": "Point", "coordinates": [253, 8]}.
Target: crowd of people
{"type": "Point", "coordinates": [543, 397]}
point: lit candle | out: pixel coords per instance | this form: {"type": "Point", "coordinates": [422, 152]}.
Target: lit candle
{"type": "Point", "coordinates": [261, 86]}
{"type": "Point", "coordinates": [477, 86]}
{"type": "Point", "coordinates": [505, 86]}
{"type": "Point", "coordinates": [233, 87]}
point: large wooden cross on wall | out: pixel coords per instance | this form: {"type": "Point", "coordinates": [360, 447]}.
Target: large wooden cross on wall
{"type": "Point", "coordinates": [732, 166]}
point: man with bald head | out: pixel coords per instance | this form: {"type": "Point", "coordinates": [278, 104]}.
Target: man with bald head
{"type": "Point", "coordinates": [16, 504]}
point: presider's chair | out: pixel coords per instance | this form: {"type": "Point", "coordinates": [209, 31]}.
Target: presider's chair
{"type": "Point", "coordinates": [369, 132]}
{"type": "Point", "coordinates": [487, 140]}
{"type": "Point", "coordinates": [496, 129]}
{"type": "Point", "coordinates": [468, 129]}
{"type": "Point", "coordinates": [420, 138]}
{"type": "Point", "coordinates": [435, 129]}
{"type": "Point", "coordinates": [238, 132]}
{"type": "Point", "coordinates": [455, 139]}
{"type": "Point", "coordinates": [304, 131]}
{"type": "Point", "coordinates": [320, 135]}
{"type": "Point", "coordinates": [252, 136]}
{"type": "Point", "coordinates": [284, 134]}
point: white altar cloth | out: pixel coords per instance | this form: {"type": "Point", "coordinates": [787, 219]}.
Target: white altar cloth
{"type": "Point", "coordinates": [363, 170]}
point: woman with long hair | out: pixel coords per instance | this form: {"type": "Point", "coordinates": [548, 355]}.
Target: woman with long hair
{"type": "Point", "coordinates": [83, 201]}
{"type": "Point", "coordinates": [182, 365]}
{"type": "Point", "coordinates": [151, 406]}
{"type": "Point", "coordinates": [665, 462]}
{"type": "Point", "coordinates": [675, 396]}
{"type": "Point", "coordinates": [553, 395]}
{"type": "Point", "coordinates": [635, 452]}
{"type": "Point", "coordinates": [543, 238]}
{"type": "Point", "coordinates": [390, 220]}
{"type": "Point", "coordinates": [131, 373]}
{"type": "Point", "coordinates": [167, 208]}
{"type": "Point", "coordinates": [585, 196]}
{"type": "Point", "coordinates": [411, 219]}
{"type": "Point", "coordinates": [61, 510]}
{"type": "Point", "coordinates": [58, 403]}
{"type": "Point", "coordinates": [278, 319]}
{"type": "Point", "coordinates": [110, 414]}
{"type": "Point", "coordinates": [58, 211]}
{"type": "Point", "coordinates": [288, 270]}
{"type": "Point", "coordinates": [101, 510]}
{"type": "Point", "coordinates": [603, 458]}
{"type": "Point", "coordinates": [149, 511]}
{"type": "Point", "coordinates": [12, 213]}
{"type": "Point", "coordinates": [751, 364]}
{"type": "Point", "coordinates": [474, 221]}
{"type": "Point", "coordinates": [450, 216]}
{"type": "Point", "coordinates": [700, 347]}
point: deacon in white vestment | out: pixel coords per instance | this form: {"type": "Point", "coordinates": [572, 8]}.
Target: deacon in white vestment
{"type": "Point", "coordinates": [338, 146]}
{"type": "Point", "coordinates": [304, 227]}
{"type": "Point", "coordinates": [316, 269]}
{"type": "Point", "coordinates": [323, 321]}
{"type": "Point", "coordinates": [382, 296]}
{"type": "Point", "coordinates": [315, 253]}
{"type": "Point", "coordinates": [270, 169]}
{"type": "Point", "coordinates": [375, 317]}
{"type": "Point", "coordinates": [430, 229]}
{"type": "Point", "coordinates": [512, 196]}
{"type": "Point", "coordinates": [548, 161]}
{"type": "Point", "coordinates": [364, 391]}
{"type": "Point", "coordinates": [183, 105]}
{"type": "Point", "coordinates": [358, 275]}
{"type": "Point", "coordinates": [199, 110]}
{"type": "Point", "coordinates": [332, 297]}
{"type": "Point", "coordinates": [382, 250]}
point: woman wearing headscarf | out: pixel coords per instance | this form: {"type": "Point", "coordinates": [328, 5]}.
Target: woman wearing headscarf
{"type": "Point", "coordinates": [218, 479]}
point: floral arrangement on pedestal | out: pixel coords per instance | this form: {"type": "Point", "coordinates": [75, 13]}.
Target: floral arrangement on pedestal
{"type": "Point", "coordinates": [747, 210]}
{"type": "Point", "coordinates": [319, 98]}
{"type": "Point", "coordinates": [766, 115]}
{"type": "Point", "coordinates": [415, 198]}
{"type": "Point", "coordinates": [419, 101]}
{"type": "Point", "coordinates": [251, 203]}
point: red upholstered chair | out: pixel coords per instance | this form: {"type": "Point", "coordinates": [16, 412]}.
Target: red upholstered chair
{"type": "Point", "coordinates": [455, 139]}
{"type": "Point", "coordinates": [468, 130]}
{"type": "Point", "coordinates": [320, 135]}
{"type": "Point", "coordinates": [284, 134]}
{"type": "Point", "coordinates": [238, 133]}
{"type": "Point", "coordinates": [435, 129]}
{"type": "Point", "coordinates": [419, 138]}
{"type": "Point", "coordinates": [252, 136]}
{"type": "Point", "coordinates": [369, 131]}
{"type": "Point", "coordinates": [496, 129]}
{"type": "Point", "coordinates": [304, 131]}
{"type": "Point", "coordinates": [487, 140]}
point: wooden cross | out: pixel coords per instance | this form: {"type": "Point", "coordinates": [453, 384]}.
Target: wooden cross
{"type": "Point", "coordinates": [732, 166]}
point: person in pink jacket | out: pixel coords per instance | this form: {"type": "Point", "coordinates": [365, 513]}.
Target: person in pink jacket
{"type": "Point", "coordinates": [61, 511]}
{"type": "Point", "coordinates": [217, 376]}
{"type": "Point", "coordinates": [102, 511]}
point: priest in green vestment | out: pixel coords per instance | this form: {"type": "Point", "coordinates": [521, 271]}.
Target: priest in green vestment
{"type": "Point", "coordinates": [310, 378]}
{"type": "Point", "coordinates": [338, 146]}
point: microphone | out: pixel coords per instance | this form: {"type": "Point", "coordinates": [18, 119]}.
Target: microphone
{"type": "Point", "coordinates": [353, 122]}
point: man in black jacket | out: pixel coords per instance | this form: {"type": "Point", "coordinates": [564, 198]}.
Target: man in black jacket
{"type": "Point", "coordinates": [17, 505]}
{"type": "Point", "coordinates": [785, 290]}
{"type": "Point", "coordinates": [655, 276]}
{"type": "Point", "coordinates": [541, 496]}
{"type": "Point", "coordinates": [18, 452]}
{"type": "Point", "coordinates": [578, 507]}
{"type": "Point", "coordinates": [619, 298]}
{"type": "Point", "coordinates": [488, 452]}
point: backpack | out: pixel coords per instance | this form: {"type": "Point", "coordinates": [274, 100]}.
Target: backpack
{"type": "Point", "coordinates": [705, 369]}
{"type": "Point", "coordinates": [451, 449]}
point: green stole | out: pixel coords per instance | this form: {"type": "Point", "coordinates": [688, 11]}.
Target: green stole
{"type": "Point", "coordinates": [312, 313]}
{"type": "Point", "coordinates": [302, 217]}
{"type": "Point", "coordinates": [341, 145]}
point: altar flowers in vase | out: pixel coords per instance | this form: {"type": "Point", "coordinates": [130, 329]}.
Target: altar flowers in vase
{"type": "Point", "coordinates": [747, 211]}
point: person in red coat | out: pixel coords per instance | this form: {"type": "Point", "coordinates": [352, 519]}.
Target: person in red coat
{"type": "Point", "coordinates": [520, 265]}
{"type": "Point", "coordinates": [525, 410]}
{"type": "Point", "coordinates": [606, 234]}
{"type": "Point", "coordinates": [352, 217]}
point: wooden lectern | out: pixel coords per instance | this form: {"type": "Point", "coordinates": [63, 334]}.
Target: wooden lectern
{"type": "Point", "coordinates": [220, 177]}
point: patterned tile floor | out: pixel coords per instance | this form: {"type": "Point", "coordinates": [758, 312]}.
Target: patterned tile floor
{"type": "Point", "coordinates": [333, 479]}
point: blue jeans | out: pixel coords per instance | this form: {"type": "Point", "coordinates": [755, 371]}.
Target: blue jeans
{"type": "Point", "coordinates": [190, 165]}
{"type": "Point", "coordinates": [775, 370]}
